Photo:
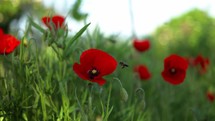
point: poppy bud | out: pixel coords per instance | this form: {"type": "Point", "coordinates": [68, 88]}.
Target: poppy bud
{"type": "Point", "coordinates": [140, 93]}
{"type": "Point", "coordinates": [56, 22]}
{"type": "Point", "coordinates": [210, 96]}
{"type": "Point", "coordinates": [123, 94]}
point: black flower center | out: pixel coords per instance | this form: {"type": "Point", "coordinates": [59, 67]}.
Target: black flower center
{"type": "Point", "coordinates": [172, 71]}
{"type": "Point", "coordinates": [93, 73]}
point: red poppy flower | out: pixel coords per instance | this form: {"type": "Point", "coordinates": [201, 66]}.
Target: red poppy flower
{"type": "Point", "coordinates": [94, 64]}
{"type": "Point", "coordinates": [203, 62]}
{"type": "Point", "coordinates": [55, 21]}
{"type": "Point", "coordinates": [210, 96]}
{"type": "Point", "coordinates": [174, 69]}
{"type": "Point", "coordinates": [143, 72]}
{"type": "Point", "coordinates": [141, 45]}
{"type": "Point", "coordinates": [7, 43]}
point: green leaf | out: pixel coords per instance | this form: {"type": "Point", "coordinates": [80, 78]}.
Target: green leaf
{"type": "Point", "coordinates": [68, 49]}
{"type": "Point", "coordinates": [75, 12]}
{"type": "Point", "coordinates": [36, 25]}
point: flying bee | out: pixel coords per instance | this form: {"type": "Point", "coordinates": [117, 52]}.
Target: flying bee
{"type": "Point", "coordinates": [123, 65]}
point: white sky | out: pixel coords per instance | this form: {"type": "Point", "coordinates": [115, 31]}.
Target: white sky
{"type": "Point", "coordinates": [113, 16]}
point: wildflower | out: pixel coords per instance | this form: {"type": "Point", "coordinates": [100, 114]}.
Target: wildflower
{"type": "Point", "coordinates": [143, 72]}
{"type": "Point", "coordinates": [94, 64]}
{"type": "Point", "coordinates": [174, 69]}
{"type": "Point", "coordinates": [203, 62]}
{"type": "Point", "coordinates": [7, 43]}
{"type": "Point", "coordinates": [55, 22]}
{"type": "Point", "coordinates": [141, 45]}
{"type": "Point", "coordinates": [210, 96]}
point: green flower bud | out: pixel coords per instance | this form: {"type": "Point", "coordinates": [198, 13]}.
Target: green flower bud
{"type": "Point", "coordinates": [123, 94]}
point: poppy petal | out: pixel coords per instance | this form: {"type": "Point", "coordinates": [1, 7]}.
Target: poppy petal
{"type": "Point", "coordinates": [104, 62]}
{"type": "Point", "coordinates": [175, 61]}
{"type": "Point", "coordinates": [94, 64]}
{"type": "Point", "coordinates": [46, 21]}
{"type": "Point", "coordinates": [210, 96]}
{"type": "Point", "coordinates": [88, 56]}
{"type": "Point", "coordinates": [55, 21]}
{"type": "Point", "coordinates": [100, 81]}
{"type": "Point", "coordinates": [174, 79]}
{"type": "Point", "coordinates": [143, 72]}
{"type": "Point", "coordinates": [80, 71]}
{"type": "Point", "coordinates": [174, 69]}
{"type": "Point", "coordinates": [82, 74]}
{"type": "Point", "coordinates": [203, 62]}
{"type": "Point", "coordinates": [58, 21]}
{"type": "Point", "coordinates": [141, 45]}
{"type": "Point", "coordinates": [1, 32]}
{"type": "Point", "coordinates": [7, 43]}
{"type": "Point", "coordinates": [12, 43]}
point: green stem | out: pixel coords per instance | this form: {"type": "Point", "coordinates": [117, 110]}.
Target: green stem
{"type": "Point", "coordinates": [43, 106]}
{"type": "Point", "coordinates": [88, 34]}
{"type": "Point", "coordinates": [82, 111]}
{"type": "Point", "coordinates": [132, 19]}
{"type": "Point", "coordinates": [118, 81]}
{"type": "Point", "coordinates": [56, 51]}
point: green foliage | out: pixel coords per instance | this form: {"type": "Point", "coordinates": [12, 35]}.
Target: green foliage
{"type": "Point", "coordinates": [75, 11]}
{"type": "Point", "coordinates": [8, 14]}
{"type": "Point", "coordinates": [189, 34]}
{"type": "Point", "coordinates": [13, 10]}
{"type": "Point", "coordinates": [4, 9]}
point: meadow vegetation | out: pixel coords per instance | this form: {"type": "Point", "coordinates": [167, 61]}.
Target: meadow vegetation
{"type": "Point", "coordinates": [38, 80]}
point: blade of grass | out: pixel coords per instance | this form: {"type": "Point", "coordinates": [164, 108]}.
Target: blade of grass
{"type": "Point", "coordinates": [68, 48]}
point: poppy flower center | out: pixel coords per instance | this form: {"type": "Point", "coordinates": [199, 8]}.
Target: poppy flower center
{"type": "Point", "coordinates": [172, 71]}
{"type": "Point", "coordinates": [93, 73]}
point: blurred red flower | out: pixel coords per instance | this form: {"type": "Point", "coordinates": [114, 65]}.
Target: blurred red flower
{"type": "Point", "coordinates": [143, 72]}
{"type": "Point", "coordinates": [141, 45]}
{"type": "Point", "coordinates": [55, 22]}
{"type": "Point", "coordinates": [94, 64]}
{"type": "Point", "coordinates": [203, 62]}
{"type": "Point", "coordinates": [174, 69]}
{"type": "Point", "coordinates": [200, 62]}
{"type": "Point", "coordinates": [210, 96]}
{"type": "Point", "coordinates": [7, 43]}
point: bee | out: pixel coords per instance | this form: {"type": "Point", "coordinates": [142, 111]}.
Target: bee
{"type": "Point", "coordinates": [123, 65]}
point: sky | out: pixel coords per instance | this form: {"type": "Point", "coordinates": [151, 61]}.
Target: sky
{"type": "Point", "coordinates": [113, 16]}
